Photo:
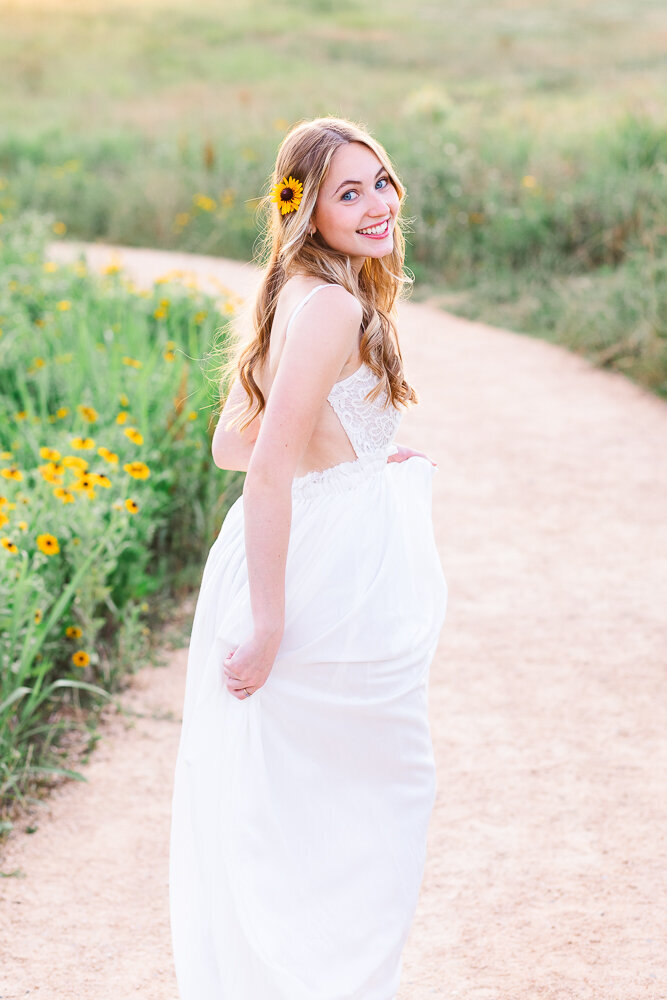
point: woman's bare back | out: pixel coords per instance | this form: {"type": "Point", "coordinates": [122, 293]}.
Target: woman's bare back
{"type": "Point", "coordinates": [329, 444]}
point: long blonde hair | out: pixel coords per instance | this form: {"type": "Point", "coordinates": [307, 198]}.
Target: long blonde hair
{"type": "Point", "coordinates": [287, 249]}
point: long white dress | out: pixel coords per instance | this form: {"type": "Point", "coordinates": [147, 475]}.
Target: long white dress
{"type": "Point", "coordinates": [300, 814]}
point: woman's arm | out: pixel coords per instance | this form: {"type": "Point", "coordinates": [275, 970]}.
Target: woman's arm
{"type": "Point", "coordinates": [322, 337]}
{"type": "Point", "coordinates": [231, 449]}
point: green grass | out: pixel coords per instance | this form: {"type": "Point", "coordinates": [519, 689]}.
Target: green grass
{"type": "Point", "coordinates": [109, 498]}
{"type": "Point", "coordinates": [531, 138]}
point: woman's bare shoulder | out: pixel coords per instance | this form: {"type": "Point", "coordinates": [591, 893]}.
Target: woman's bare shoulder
{"type": "Point", "coordinates": [298, 286]}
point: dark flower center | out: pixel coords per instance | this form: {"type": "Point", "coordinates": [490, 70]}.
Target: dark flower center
{"type": "Point", "coordinates": [286, 194]}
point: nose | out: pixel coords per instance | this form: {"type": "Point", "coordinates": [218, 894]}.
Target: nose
{"type": "Point", "coordinates": [378, 207]}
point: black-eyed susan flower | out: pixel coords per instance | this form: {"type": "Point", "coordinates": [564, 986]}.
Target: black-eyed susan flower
{"type": "Point", "coordinates": [138, 470]}
{"type": "Point", "coordinates": [88, 413]}
{"type": "Point", "coordinates": [52, 472]}
{"type": "Point", "coordinates": [48, 544]}
{"type": "Point", "coordinates": [83, 444]}
{"type": "Point", "coordinates": [12, 473]}
{"type": "Point", "coordinates": [287, 194]}
{"type": "Point", "coordinates": [49, 454]}
{"type": "Point", "coordinates": [37, 617]}
{"type": "Point", "coordinates": [22, 525]}
{"type": "Point", "coordinates": [160, 313]}
{"type": "Point", "coordinates": [75, 462]}
{"type": "Point", "coordinates": [80, 658]}
{"type": "Point", "coordinates": [168, 355]}
{"type": "Point", "coordinates": [132, 506]}
{"type": "Point", "coordinates": [204, 202]}
{"type": "Point", "coordinates": [73, 632]}
{"type": "Point", "coordinates": [3, 519]}
{"type": "Point", "coordinates": [131, 362]}
{"type": "Point", "coordinates": [63, 494]}
{"type": "Point", "coordinates": [62, 412]}
{"type": "Point", "coordinates": [109, 456]}
{"type": "Point", "coordinates": [50, 267]}
{"type": "Point", "coordinates": [134, 435]}
{"type": "Point", "coordinates": [63, 305]}
{"type": "Point", "coordinates": [122, 417]}
{"type": "Point", "coordinates": [9, 545]}
{"type": "Point", "coordinates": [6, 455]}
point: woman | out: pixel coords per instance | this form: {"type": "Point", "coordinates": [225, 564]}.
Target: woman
{"type": "Point", "coordinates": [305, 777]}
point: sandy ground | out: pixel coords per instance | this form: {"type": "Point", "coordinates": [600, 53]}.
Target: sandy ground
{"type": "Point", "coordinates": [547, 857]}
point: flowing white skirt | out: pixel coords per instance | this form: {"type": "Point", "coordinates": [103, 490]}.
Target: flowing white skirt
{"type": "Point", "coordinates": [300, 814]}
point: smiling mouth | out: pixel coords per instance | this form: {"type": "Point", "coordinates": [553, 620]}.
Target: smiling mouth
{"type": "Point", "coordinates": [375, 231]}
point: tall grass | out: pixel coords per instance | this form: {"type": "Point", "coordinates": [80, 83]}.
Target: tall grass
{"type": "Point", "coordinates": [109, 497]}
{"type": "Point", "coordinates": [532, 141]}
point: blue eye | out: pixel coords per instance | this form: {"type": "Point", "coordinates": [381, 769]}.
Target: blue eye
{"type": "Point", "coordinates": [351, 191]}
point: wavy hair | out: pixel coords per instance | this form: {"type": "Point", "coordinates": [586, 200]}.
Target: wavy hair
{"type": "Point", "coordinates": [287, 249]}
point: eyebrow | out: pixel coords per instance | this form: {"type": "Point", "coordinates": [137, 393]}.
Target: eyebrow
{"type": "Point", "coordinates": [381, 170]}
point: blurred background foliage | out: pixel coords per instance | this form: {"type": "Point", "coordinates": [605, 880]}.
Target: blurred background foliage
{"type": "Point", "coordinates": [530, 134]}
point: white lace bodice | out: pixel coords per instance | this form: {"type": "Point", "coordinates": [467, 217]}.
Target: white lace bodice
{"type": "Point", "coordinates": [369, 425]}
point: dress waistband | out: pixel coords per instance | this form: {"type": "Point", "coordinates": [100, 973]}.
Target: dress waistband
{"type": "Point", "coordinates": [342, 477]}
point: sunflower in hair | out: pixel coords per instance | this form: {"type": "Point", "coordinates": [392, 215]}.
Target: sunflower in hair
{"type": "Point", "coordinates": [287, 194]}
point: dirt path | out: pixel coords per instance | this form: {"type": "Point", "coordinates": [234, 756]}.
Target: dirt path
{"type": "Point", "coordinates": [547, 857]}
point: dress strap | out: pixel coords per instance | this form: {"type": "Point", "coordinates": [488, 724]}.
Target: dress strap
{"type": "Point", "coordinates": [302, 303]}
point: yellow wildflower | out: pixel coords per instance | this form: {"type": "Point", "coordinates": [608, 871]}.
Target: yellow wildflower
{"type": "Point", "coordinates": [3, 519]}
{"type": "Point", "coordinates": [134, 435]}
{"type": "Point", "coordinates": [109, 456]}
{"type": "Point", "coordinates": [37, 616]}
{"type": "Point", "coordinates": [48, 544]}
{"type": "Point", "coordinates": [168, 355]}
{"type": "Point", "coordinates": [204, 202]}
{"type": "Point", "coordinates": [138, 470]}
{"type": "Point", "coordinates": [123, 400]}
{"type": "Point", "coordinates": [132, 506]}
{"type": "Point", "coordinates": [23, 525]}
{"type": "Point", "coordinates": [12, 473]}
{"type": "Point", "coordinates": [50, 454]}
{"type": "Point", "coordinates": [50, 266]}
{"type": "Point", "coordinates": [88, 413]}
{"type": "Point", "coordinates": [63, 494]}
{"type": "Point", "coordinates": [50, 474]}
{"type": "Point", "coordinates": [74, 462]}
{"type": "Point", "coordinates": [131, 362]}
{"type": "Point", "coordinates": [62, 412]}
{"type": "Point", "coordinates": [73, 632]}
{"type": "Point", "coordinates": [63, 305]}
{"type": "Point", "coordinates": [9, 545]}
{"type": "Point", "coordinates": [83, 444]}
{"type": "Point", "coordinates": [80, 658]}
{"type": "Point", "coordinates": [59, 228]}
{"type": "Point", "coordinates": [122, 417]}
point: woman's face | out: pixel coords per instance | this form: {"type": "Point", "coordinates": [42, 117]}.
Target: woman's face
{"type": "Point", "coordinates": [357, 194]}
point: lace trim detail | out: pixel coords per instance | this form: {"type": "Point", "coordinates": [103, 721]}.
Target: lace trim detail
{"type": "Point", "coordinates": [342, 477]}
{"type": "Point", "coordinates": [369, 425]}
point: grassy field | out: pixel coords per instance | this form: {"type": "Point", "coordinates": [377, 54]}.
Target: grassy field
{"type": "Point", "coordinates": [531, 137]}
{"type": "Point", "coordinates": [109, 499]}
